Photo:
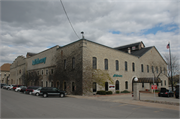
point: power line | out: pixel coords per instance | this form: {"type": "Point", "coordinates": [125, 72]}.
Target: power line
{"type": "Point", "coordinates": [68, 18]}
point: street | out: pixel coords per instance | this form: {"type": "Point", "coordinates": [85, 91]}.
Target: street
{"type": "Point", "coordinates": [19, 105]}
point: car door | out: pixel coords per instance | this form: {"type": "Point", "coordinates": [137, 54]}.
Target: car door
{"type": "Point", "coordinates": [55, 91]}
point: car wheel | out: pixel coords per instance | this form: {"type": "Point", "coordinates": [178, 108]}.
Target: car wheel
{"type": "Point", "coordinates": [168, 95]}
{"type": "Point", "coordinates": [61, 95]}
{"type": "Point", "coordinates": [30, 93]}
{"type": "Point", "coordinates": [24, 92]}
{"type": "Point", "coordinates": [159, 95]}
{"type": "Point", "coordinates": [45, 95]}
{"type": "Point", "coordinates": [37, 94]}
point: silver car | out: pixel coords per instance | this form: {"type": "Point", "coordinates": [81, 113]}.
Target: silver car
{"type": "Point", "coordinates": [36, 92]}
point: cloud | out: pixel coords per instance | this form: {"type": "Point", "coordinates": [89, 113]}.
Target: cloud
{"type": "Point", "coordinates": [37, 25]}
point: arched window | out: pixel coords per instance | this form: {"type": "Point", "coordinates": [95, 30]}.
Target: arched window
{"type": "Point", "coordinates": [117, 65]}
{"type": "Point", "coordinates": [106, 86]}
{"type": "Point", "coordinates": [106, 64]}
{"type": "Point", "coordinates": [73, 86]}
{"type": "Point", "coordinates": [73, 63]}
{"type": "Point", "coordinates": [94, 63]}
{"type": "Point", "coordinates": [94, 86]}
{"type": "Point", "coordinates": [117, 85]}
{"type": "Point", "coordinates": [133, 66]}
{"type": "Point", "coordinates": [142, 68]}
{"type": "Point", "coordinates": [126, 84]}
{"type": "Point", "coordinates": [126, 67]}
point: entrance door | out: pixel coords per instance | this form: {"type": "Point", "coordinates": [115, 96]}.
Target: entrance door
{"type": "Point", "coordinates": [117, 85]}
{"type": "Point", "coordinates": [106, 86]}
{"type": "Point", "coordinates": [94, 86]}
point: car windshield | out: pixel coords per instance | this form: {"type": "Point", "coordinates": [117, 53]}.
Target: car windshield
{"type": "Point", "coordinates": [39, 88]}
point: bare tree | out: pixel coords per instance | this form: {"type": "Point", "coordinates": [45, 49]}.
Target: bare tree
{"type": "Point", "coordinates": [175, 67]}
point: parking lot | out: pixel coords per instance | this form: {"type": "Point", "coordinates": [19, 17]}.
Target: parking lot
{"type": "Point", "coordinates": [19, 105]}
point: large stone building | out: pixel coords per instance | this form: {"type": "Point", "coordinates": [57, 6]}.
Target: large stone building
{"type": "Point", "coordinates": [5, 73]}
{"type": "Point", "coordinates": [82, 66]}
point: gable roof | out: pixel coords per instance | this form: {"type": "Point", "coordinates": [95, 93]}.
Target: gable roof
{"type": "Point", "coordinates": [5, 67]}
{"type": "Point", "coordinates": [129, 45]}
{"type": "Point", "coordinates": [141, 52]}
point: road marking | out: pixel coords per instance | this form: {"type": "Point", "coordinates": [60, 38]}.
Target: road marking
{"type": "Point", "coordinates": [136, 108]}
{"type": "Point", "coordinates": [123, 104]}
{"type": "Point", "coordinates": [159, 110]}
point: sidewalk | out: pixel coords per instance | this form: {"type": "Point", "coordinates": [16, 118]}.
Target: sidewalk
{"type": "Point", "coordinates": [128, 99]}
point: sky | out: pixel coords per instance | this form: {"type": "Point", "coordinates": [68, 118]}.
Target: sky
{"type": "Point", "coordinates": [36, 25]}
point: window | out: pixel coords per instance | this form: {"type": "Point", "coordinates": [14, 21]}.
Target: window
{"type": "Point", "coordinates": [52, 71]}
{"type": "Point", "coordinates": [142, 85]}
{"type": "Point", "coordinates": [38, 72]}
{"type": "Point", "coordinates": [73, 63]}
{"type": "Point", "coordinates": [161, 83]}
{"type": "Point", "coordinates": [41, 83]}
{"type": "Point", "coordinates": [165, 83]}
{"type": "Point", "coordinates": [126, 68]}
{"type": "Point", "coordinates": [152, 69]}
{"type": "Point", "coordinates": [164, 70]}
{"type": "Point", "coordinates": [94, 63]}
{"type": "Point", "coordinates": [156, 69]}
{"type": "Point", "coordinates": [19, 71]}
{"type": "Point", "coordinates": [106, 86]}
{"type": "Point", "coordinates": [46, 84]}
{"type": "Point", "coordinates": [73, 86]}
{"type": "Point", "coordinates": [157, 84]}
{"type": "Point", "coordinates": [46, 72]}
{"type": "Point", "coordinates": [94, 86]}
{"type": "Point", "coordinates": [147, 68]}
{"type": "Point", "coordinates": [126, 85]}
{"type": "Point", "coordinates": [106, 64]}
{"type": "Point", "coordinates": [142, 68]}
{"type": "Point", "coordinates": [117, 85]}
{"type": "Point", "coordinates": [117, 65]}
{"type": "Point", "coordinates": [4, 74]}
{"type": "Point", "coordinates": [160, 69]}
{"type": "Point", "coordinates": [65, 64]}
{"type": "Point", "coordinates": [52, 84]}
{"type": "Point", "coordinates": [64, 85]}
{"type": "Point", "coordinates": [42, 72]}
{"type": "Point", "coordinates": [133, 66]}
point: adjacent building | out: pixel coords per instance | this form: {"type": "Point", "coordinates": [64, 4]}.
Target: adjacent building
{"type": "Point", "coordinates": [77, 64]}
{"type": "Point", "coordinates": [5, 73]}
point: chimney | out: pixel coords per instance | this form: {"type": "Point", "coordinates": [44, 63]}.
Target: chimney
{"type": "Point", "coordinates": [129, 50]}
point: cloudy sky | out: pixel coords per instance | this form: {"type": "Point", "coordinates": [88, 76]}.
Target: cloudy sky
{"type": "Point", "coordinates": [33, 26]}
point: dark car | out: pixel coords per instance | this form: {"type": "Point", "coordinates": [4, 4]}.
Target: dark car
{"type": "Point", "coordinates": [177, 93]}
{"type": "Point", "coordinates": [51, 91]}
{"type": "Point", "coordinates": [31, 88]}
{"type": "Point", "coordinates": [23, 90]}
{"type": "Point", "coordinates": [2, 84]}
{"type": "Point", "coordinates": [166, 93]}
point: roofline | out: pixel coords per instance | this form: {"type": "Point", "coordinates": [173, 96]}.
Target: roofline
{"type": "Point", "coordinates": [130, 44]}
{"type": "Point", "coordinates": [43, 51]}
{"type": "Point", "coordinates": [97, 44]}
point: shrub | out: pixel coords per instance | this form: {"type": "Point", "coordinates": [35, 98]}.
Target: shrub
{"type": "Point", "coordinates": [117, 92]}
{"type": "Point", "coordinates": [108, 92]}
{"type": "Point", "coordinates": [101, 92]}
{"type": "Point", "coordinates": [125, 91]}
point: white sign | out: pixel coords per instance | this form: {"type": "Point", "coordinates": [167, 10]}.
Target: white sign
{"type": "Point", "coordinates": [111, 86]}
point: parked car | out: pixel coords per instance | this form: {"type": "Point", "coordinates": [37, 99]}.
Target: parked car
{"type": "Point", "coordinates": [48, 91]}
{"type": "Point", "coordinates": [5, 86]}
{"type": "Point", "coordinates": [31, 88]}
{"type": "Point", "coordinates": [166, 93]}
{"type": "Point", "coordinates": [177, 93]}
{"type": "Point", "coordinates": [19, 88]}
{"type": "Point", "coordinates": [15, 86]}
{"type": "Point", "coordinates": [23, 90]}
{"type": "Point", "coordinates": [10, 87]}
{"type": "Point", "coordinates": [36, 91]}
{"type": "Point", "coordinates": [2, 84]}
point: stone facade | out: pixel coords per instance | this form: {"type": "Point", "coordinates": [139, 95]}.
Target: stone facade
{"type": "Point", "coordinates": [74, 64]}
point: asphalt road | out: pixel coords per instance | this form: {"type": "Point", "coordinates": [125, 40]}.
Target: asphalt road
{"type": "Point", "coordinates": [19, 105]}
